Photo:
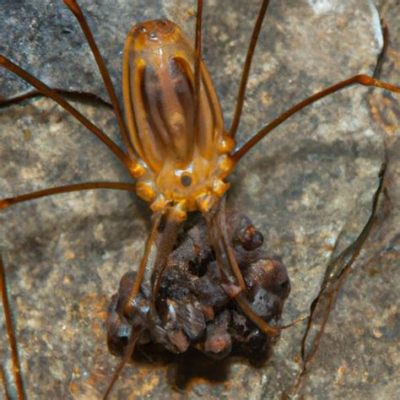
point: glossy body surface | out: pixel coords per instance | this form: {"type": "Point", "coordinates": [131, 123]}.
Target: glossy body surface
{"type": "Point", "coordinates": [184, 166]}
{"type": "Point", "coordinates": [299, 186]}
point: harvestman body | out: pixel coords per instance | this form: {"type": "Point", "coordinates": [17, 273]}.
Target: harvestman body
{"type": "Point", "coordinates": [177, 149]}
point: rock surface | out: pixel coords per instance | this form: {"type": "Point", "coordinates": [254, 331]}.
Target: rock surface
{"type": "Point", "coordinates": [305, 187]}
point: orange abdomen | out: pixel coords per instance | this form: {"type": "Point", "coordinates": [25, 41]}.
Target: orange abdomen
{"type": "Point", "coordinates": [182, 163]}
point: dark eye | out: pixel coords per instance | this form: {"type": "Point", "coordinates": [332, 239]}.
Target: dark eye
{"type": "Point", "coordinates": [186, 180]}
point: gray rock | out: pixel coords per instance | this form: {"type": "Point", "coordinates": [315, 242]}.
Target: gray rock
{"type": "Point", "coordinates": [306, 186]}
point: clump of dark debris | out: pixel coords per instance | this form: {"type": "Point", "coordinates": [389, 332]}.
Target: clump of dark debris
{"type": "Point", "coordinates": [195, 316]}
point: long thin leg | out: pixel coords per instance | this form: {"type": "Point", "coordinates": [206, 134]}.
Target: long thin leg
{"type": "Point", "coordinates": [11, 334]}
{"type": "Point", "coordinates": [5, 203]}
{"type": "Point", "coordinates": [47, 91]}
{"type": "Point", "coordinates": [216, 243]}
{"type": "Point", "coordinates": [164, 249]}
{"type": "Point", "coordinates": [197, 61]}
{"type": "Point", "coordinates": [221, 225]}
{"type": "Point", "coordinates": [130, 348]}
{"type": "Point", "coordinates": [74, 95]}
{"type": "Point", "coordinates": [364, 80]}
{"type": "Point", "coordinates": [130, 302]}
{"type": "Point", "coordinates": [246, 69]}
{"type": "Point", "coordinates": [166, 245]}
{"type": "Point", "coordinates": [3, 379]}
{"type": "Point", "coordinates": [76, 10]}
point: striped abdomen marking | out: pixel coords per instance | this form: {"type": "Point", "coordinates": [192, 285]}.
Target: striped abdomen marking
{"type": "Point", "coordinates": [158, 87]}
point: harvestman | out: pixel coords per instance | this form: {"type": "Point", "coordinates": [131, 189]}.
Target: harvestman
{"type": "Point", "coordinates": [177, 150]}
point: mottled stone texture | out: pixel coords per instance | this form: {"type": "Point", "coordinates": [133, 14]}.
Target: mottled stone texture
{"type": "Point", "coordinates": [308, 184]}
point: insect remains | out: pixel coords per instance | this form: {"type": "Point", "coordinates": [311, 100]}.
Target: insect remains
{"type": "Point", "coordinates": [195, 308]}
{"type": "Point", "coordinates": [205, 285]}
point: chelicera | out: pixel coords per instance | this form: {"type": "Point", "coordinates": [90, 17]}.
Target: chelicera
{"type": "Point", "coordinates": [177, 149]}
